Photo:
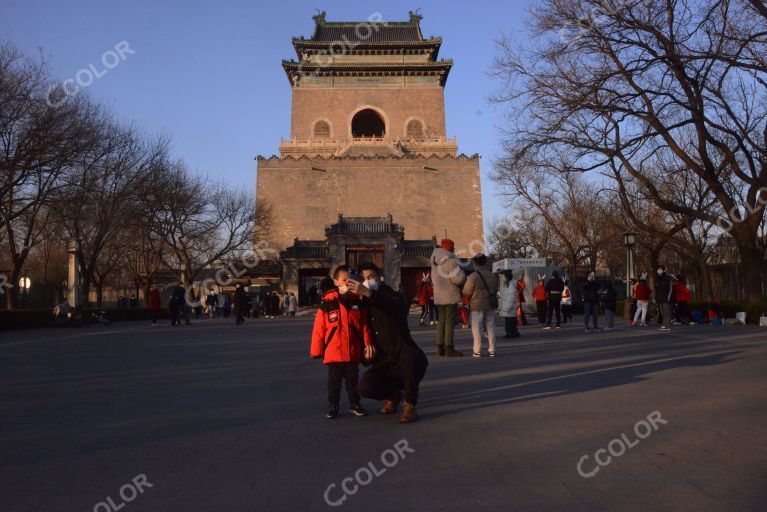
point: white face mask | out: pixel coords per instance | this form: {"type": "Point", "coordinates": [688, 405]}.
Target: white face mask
{"type": "Point", "coordinates": [660, 272]}
{"type": "Point", "coordinates": [343, 289]}
{"type": "Point", "coordinates": [371, 284]}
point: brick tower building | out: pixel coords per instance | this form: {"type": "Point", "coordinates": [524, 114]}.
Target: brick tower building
{"type": "Point", "coordinates": [368, 171]}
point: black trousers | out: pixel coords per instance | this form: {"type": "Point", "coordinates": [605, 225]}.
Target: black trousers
{"type": "Point", "coordinates": [383, 382]}
{"type": "Point", "coordinates": [540, 306]}
{"type": "Point", "coordinates": [554, 309]}
{"type": "Point", "coordinates": [343, 371]}
{"type": "Point", "coordinates": [511, 327]}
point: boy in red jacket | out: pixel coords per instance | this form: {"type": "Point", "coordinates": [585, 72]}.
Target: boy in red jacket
{"type": "Point", "coordinates": [341, 334]}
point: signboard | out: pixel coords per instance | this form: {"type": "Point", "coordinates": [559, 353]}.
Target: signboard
{"type": "Point", "coordinates": [516, 264]}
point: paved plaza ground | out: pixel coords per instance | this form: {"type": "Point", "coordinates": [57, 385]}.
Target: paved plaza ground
{"type": "Point", "coordinates": [223, 418]}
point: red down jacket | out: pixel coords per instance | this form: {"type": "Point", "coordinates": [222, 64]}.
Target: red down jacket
{"type": "Point", "coordinates": [341, 330]}
{"type": "Point", "coordinates": [425, 293]}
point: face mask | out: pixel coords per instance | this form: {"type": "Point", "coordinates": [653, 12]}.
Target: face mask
{"type": "Point", "coordinates": [660, 272]}
{"type": "Point", "coordinates": [371, 284]}
{"type": "Point", "coordinates": [343, 289]}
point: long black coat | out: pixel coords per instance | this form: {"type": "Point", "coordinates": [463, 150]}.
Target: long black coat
{"type": "Point", "coordinates": [390, 330]}
{"type": "Point", "coordinates": [590, 290]}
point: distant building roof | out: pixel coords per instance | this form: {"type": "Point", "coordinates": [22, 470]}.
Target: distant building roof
{"type": "Point", "coordinates": [419, 248]}
{"type": "Point", "coordinates": [266, 267]}
{"type": "Point", "coordinates": [364, 226]}
{"type": "Point", "coordinates": [306, 249]}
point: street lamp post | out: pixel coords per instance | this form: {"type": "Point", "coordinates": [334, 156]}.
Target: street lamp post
{"type": "Point", "coordinates": [24, 285]}
{"type": "Point", "coordinates": [629, 240]}
{"type": "Point", "coordinates": [182, 268]}
{"type": "Point", "coordinates": [73, 275]}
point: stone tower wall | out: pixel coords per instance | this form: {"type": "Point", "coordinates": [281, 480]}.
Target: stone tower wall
{"type": "Point", "coordinates": [425, 195]}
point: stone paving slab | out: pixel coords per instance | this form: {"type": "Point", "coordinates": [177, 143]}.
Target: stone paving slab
{"type": "Point", "coordinates": [220, 417]}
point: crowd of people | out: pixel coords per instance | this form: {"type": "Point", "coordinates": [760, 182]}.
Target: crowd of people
{"type": "Point", "coordinates": [222, 305]}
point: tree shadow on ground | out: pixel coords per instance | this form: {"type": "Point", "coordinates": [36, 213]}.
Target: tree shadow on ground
{"type": "Point", "coordinates": [516, 389]}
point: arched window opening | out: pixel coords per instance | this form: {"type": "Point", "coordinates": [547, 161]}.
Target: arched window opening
{"type": "Point", "coordinates": [321, 130]}
{"type": "Point", "coordinates": [368, 123]}
{"type": "Point", "coordinates": [415, 129]}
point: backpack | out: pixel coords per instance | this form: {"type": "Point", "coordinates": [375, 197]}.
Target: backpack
{"type": "Point", "coordinates": [493, 298]}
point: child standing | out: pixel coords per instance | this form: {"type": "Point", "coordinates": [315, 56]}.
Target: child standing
{"type": "Point", "coordinates": [341, 330]}
{"type": "Point", "coordinates": [642, 296]}
{"type": "Point", "coordinates": [567, 303]}
{"type": "Point", "coordinates": [521, 300]}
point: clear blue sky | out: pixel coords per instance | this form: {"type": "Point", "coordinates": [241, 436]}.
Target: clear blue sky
{"type": "Point", "coordinates": [209, 73]}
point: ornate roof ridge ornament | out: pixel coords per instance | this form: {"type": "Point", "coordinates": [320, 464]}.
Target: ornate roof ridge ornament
{"type": "Point", "coordinates": [319, 18]}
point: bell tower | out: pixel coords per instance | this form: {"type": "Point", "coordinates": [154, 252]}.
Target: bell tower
{"type": "Point", "coordinates": [367, 142]}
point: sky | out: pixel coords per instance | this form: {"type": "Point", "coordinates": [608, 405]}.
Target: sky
{"type": "Point", "coordinates": [209, 75]}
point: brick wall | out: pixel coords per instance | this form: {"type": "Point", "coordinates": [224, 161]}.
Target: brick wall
{"type": "Point", "coordinates": [338, 105]}
{"type": "Point", "coordinates": [426, 202]}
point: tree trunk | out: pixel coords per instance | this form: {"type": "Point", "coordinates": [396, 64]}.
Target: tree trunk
{"type": "Point", "coordinates": [85, 290]}
{"type": "Point", "coordinates": [147, 289]}
{"type": "Point", "coordinates": [12, 293]}
{"type": "Point", "coordinates": [751, 263]}
{"type": "Point", "coordinates": [99, 294]}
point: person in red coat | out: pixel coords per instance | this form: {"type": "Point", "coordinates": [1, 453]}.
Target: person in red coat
{"type": "Point", "coordinates": [341, 334]}
{"type": "Point", "coordinates": [539, 294]}
{"type": "Point", "coordinates": [682, 296]}
{"type": "Point", "coordinates": [155, 305]}
{"type": "Point", "coordinates": [426, 300]}
{"type": "Point", "coordinates": [521, 318]}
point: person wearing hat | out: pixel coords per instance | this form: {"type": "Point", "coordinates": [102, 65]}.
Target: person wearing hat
{"type": "Point", "coordinates": [447, 280]}
{"type": "Point", "coordinates": [481, 289]}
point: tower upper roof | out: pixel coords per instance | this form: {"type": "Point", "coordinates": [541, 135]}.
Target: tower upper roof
{"type": "Point", "coordinates": [366, 35]}
{"type": "Point", "coordinates": [372, 31]}
{"type": "Point", "coordinates": [327, 52]}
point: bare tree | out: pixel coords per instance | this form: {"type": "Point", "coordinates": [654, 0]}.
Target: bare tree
{"type": "Point", "coordinates": [632, 88]}
{"type": "Point", "coordinates": [205, 223]}
{"type": "Point", "coordinates": [103, 193]}
{"type": "Point", "coordinates": [38, 144]}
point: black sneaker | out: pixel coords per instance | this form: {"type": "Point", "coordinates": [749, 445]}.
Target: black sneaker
{"type": "Point", "coordinates": [332, 412]}
{"type": "Point", "coordinates": [358, 410]}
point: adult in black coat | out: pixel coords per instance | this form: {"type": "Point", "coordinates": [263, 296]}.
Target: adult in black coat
{"type": "Point", "coordinates": [590, 290]}
{"type": "Point", "coordinates": [554, 288]}
{"type": "Point", "coordinates": [177, 306]}
{"type": "Point", "coordinates": [399, 364]}
{"type": "Point", "coordinates": [663, 290]}
{"type": "Point", "coordinates": [241, 304]}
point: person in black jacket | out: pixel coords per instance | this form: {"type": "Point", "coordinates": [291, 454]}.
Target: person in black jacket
{"type": "Point", "coordinates": [177, 306]}
{"type": "Point", "coordinates": [399, 364]}
{"type": "Point", "coordinates": [663, 288]}
{"type": "Point", "coordinates": [608, 296]}
{"type": "Point", "coordinates": [554, 288]}
{"type": "Point", "coordinates": [590, 290]}
{"type": "Point", "coordinates": [241, 304]}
